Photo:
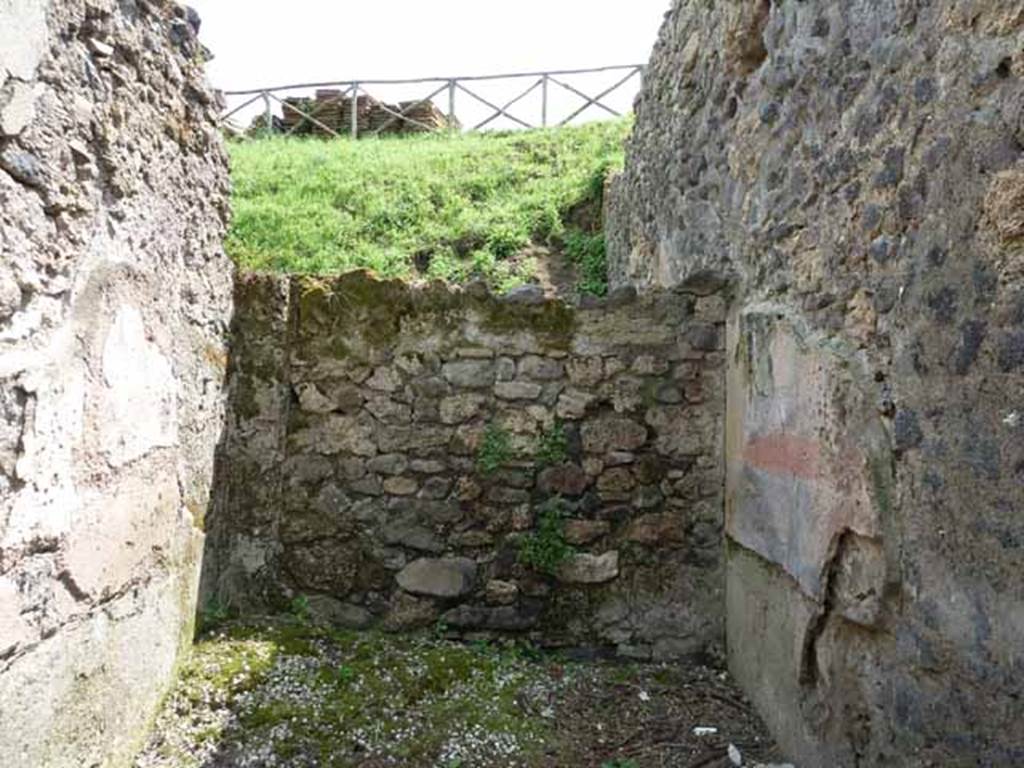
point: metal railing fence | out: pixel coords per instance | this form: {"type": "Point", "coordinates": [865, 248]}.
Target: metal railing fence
{"type": "Point", "coordinates": [354, 102]}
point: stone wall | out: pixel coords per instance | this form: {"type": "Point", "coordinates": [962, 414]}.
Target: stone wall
{"type": "Point", "coordinates": [854, 169]}
{"type": "Point", "coordinates": [114, 297]}
{"type": "Point", "coordinates": [354, 477]}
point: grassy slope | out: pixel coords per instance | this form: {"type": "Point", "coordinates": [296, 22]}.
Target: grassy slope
{"type": "Point", "coordinates": [465, 206]}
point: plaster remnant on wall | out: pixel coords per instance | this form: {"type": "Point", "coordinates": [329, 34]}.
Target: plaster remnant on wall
{"type": "Point", "coordinates": [800, 466]}
{"type": "Point", "coordinates": [17, 107]}
{"type": "Point", "coordinates": [24, 36]}
{"type": "Point", "coordinates": [115, 539]}
{"type": "Point", "coordinates": [139, 410]}
{"type": "Point", "coordinates": [114, 299]}
{"type": "Point", "coordinates": [53, 427]}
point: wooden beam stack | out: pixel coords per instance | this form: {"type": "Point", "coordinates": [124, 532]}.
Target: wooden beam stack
{"type": "Point", "coordinates": [333, 109]}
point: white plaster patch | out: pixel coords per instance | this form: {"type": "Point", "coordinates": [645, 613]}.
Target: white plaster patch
{"type": "Point", "coordinates": [14, 630]}
{"type": "Point", "coordinates": [50, 500]}
{"type": "Point", "coordinates": [139, 409]}
{"type": "Point", "coordinates": [18, 109]}
{"type": "Point", "coordinates": [23, 38]}
{"type": "Point", "coordinates": [114, 539]}
{"type": "Point", "coordinates": [111, 244]}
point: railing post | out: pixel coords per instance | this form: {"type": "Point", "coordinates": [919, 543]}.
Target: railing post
{"type": "Point", "coordinates": [355, 110]}
{"type": "Point", "coordinates": [268, 112]}
{"type": "Point", "coordinates": [451, 106]}
{"type": "Point", "coordinates": [544, 102]}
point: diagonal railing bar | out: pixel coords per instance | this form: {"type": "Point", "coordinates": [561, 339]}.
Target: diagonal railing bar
{"type": "Point", "coordinates": [310, 117]}
{"type": "Point", "coordinates": [492, 105]}
{"type": "Point", "coordinates": [402, 115]}
{"type": "Point", "coordinates": [585, 97]}
{"type": "Point", "coordinates": [602, 94]}
{"type": "Point", "coordinates": [508, 104]}
{"type": "Point", "coordinates": [242, 106]}
{"type": "Point", "coordinates": [290, 107]}
{"type": "Point", "coordinates": [339, 100]}
{"type": "Point", "coordinates": [352, 92]}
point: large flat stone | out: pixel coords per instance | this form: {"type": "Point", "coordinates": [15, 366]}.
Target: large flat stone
{"type": "Point", "coordinates": [657, 529]}
{"type": "Point", "coordinates": [585, 568]}
{"type": "Point", "coordinates": [447, 577]}
{"type": "Point", "coordinates": [335, 433]}
{"type": "Point", "coordinates": [470, 373]}
{"type": "Point", "coordinates": [612, 433]}
{"type": "Point", "coordinates": [336, 613]}
{"type": "Point", "coordinates": [460, 408]}
{"type": "Point", "coordinates": [409, 533]}
{"type": "Point", "coordinates": [517, 390]}
{"type": "Point", "coordinates": [563, 479]}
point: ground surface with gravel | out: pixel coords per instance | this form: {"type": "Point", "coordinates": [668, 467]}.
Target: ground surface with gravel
{"type": "Point", "coordinates": [282, 693]}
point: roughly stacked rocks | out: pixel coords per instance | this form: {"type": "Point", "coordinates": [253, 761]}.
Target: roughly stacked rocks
{"type": "Point", "coordinates": [355, 469]}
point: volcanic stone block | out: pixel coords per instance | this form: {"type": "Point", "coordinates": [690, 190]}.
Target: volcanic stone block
{"type": "Point", "coordinates": [447, 577]}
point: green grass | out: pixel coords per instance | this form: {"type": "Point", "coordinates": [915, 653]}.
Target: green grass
{"type": "Point", "coordinates": [445, 207]}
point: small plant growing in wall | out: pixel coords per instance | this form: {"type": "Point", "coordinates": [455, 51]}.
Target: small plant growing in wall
{"type": "Point", "coordinates": [299, 608]}
{"type": "Point", "coordinates": [440, 629]}
{"type": "Point", "coordinates": [545, 549]}
{"type": "Point", "coordinates": [213, 614]}
{"type": "Point", "coordinates": [495, 449]}
{"type": "Point", "coordinates": [553, 446]}
{"type": "Point", "coordinates": [588, 253]}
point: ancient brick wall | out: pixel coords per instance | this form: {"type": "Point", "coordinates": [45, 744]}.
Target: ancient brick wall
{"type": "Point", "coordinates": [854, 170]}
{"type": "Point", "coordinates": [114, 300]}
{"type": "Point", "coordinates": [363, 415]}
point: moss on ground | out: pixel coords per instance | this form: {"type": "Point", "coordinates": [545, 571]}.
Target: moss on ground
{"type": "Point", "coordinates": [308, 696]}
{"type": "Point", "coordinates": [279, 692]}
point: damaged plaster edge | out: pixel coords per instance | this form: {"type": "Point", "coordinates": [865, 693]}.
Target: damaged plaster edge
{"type": "Point", "coordinates": [24, 37]}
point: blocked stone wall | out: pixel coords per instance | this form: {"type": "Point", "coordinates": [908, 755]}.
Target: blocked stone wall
{"type": "Point", "coordinates": [854, 169]}
{"type": "Point", "coordinates": [114, 297]}
{"type": "Point", "coordinates": [352, 477]}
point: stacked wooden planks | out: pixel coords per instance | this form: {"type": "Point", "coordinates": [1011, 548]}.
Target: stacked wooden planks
{"type": "Point", "coordinates": [331, 110]}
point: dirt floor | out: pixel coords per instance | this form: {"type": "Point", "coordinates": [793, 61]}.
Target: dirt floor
{"type": "Point", "coordinates": [282, 693]}
{"type": "Point", "coordinates": [554, 272]}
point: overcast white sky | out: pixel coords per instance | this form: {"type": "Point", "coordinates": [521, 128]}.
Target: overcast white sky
{"type": "Point", "coordinates": [259, 43]}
